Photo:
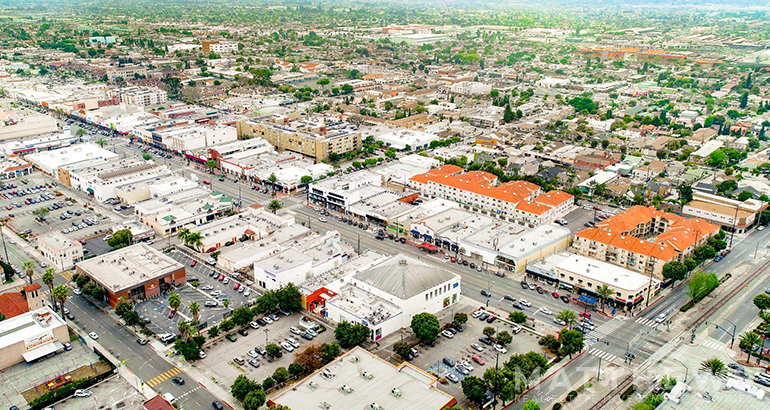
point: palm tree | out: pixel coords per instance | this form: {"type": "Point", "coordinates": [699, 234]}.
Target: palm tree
{"type": "Point", "coordinates": [748, 341]}
{"type": "Point", "coordinates": [604, 292]}
{"type": "Point", "coordinates": [568, 317]}
{"type": "Point", "coordinates": [714, 366]}
{"type": "Point", "coordinates": [274, 205]}
{"type": "Point", "coordinates": [48, 280]}
{"type": "Point", "coordinates": [211, 164]}
{"type": "Point", "coordinates": [183, 234]}
{"type": "Point", "coordinates": [29, 269]}
{"type": "Point", "coordinates": [80, 132]}
{"type": "Point", "coordinates": [225, 303]}
{"type": "Point", "coordinates": [101, 142]}
{"type": "Point", "coordinates": [195, 311]}
{"type": "Point", "coordinates": [272, 179]}
{"type": "Point", "coordinates": [174, 301]}
{"type": "Point", "coordinates": [185, 330]}
{"type": "Point", "coordinates": [60, 294]}
{"type": "Point", "coordinates": [193, 240]}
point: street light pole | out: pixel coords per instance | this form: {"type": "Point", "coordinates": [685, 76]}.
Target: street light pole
{"type": "Point", "coordinates": [686, 369]}
{"type": "Point", "coordinates": [732, 335]}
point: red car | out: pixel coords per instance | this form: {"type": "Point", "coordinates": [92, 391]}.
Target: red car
{"type": "Point", "coordinates": [585, 314]}
{"type": "Point", "coordinates": [221, 278]}
{"type": "Point", "coordinates": [193, 263]}
{"type": "Point", "coordinates": [453, 259]}
{"type": "Point", "coordinates": [477, 359]}
{"type": "Point", "coordinates": [206, 182]}
{"type": "Point", "coordinates": [236, 286]}
{"type": "Point", "coordinates": [555, 295]}
{"type": "Point", "coordinates": [171, 315]}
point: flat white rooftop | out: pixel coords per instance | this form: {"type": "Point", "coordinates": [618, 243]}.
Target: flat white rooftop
{"type": "Point", "coordinates": [28, 327]}
{"type": "Point", "coordinates": [129, 267]}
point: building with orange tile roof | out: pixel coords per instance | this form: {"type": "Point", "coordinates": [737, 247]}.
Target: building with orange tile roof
{"type": "Point", "coordinates": [476, 190]}
{"type": "Point", "coordinates": [545, 208]}
{"type": "Point", "coordinates": [15, 303]}
{"type": "Point", "coordinates": [644, 239]}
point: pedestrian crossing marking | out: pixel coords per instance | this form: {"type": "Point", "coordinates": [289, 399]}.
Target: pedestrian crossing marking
{"type": "Point", "coordinates": [713, 345]}
{"type": "Point", "coordinates": [163, 377]}
{"type": "Point", "coordinates": [602, 354]}
{"type": "Point", "coordinates": [646, 322]}
{"type": "Point", "coordinates": [603, 330]}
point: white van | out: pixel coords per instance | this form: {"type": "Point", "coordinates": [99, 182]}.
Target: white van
{"type": "Point", "coordinates": [169, 398]}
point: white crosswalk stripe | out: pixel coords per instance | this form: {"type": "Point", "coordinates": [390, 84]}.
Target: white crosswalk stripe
{"type": "Point", "coordinates": [713, 345]}
{"type": "Point", "coordinates": [602, 355]}
{"type": "Point", "coordinates": [603, 330]}
{"type": "Point", "coordinates": [646, 322]}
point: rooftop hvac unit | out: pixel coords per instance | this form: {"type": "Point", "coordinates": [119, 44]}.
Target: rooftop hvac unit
{"type": "Point", "coordinates": [327, 373]}
{"type": "Point", "coordinates": [354, 359]}
{"type": "Point", "coordinates": [346, 389]}
{"type": "Point", "coordinates": [396, 392]}
{"type": "Point", "coordinates": [367, 375]}
{"type": "Point", "coordinates": [312, 385]}
{"type": "Point", "coordinates": [375, 406]}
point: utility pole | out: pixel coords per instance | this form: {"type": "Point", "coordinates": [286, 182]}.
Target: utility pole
{"type": "Point", "coordinates": [735, 226]}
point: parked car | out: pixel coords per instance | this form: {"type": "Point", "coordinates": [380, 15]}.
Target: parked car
{"type": "Point", "coordinates": [447, 334]}
{"type": "Point", "coordinates": [82, 393]}
{"type": "Point", "coordinates": [449, 362]}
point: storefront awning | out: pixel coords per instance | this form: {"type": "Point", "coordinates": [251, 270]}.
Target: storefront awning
{"type": "Point", "coordinates": [587, 299]}
{"type": "Point", "coordinates": [42, 351]}
{"type": "Point", "coordinates": [428, 246]}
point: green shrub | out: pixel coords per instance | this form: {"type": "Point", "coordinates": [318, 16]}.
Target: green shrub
{"type": "Point", "coordinates": [557, 406]}
{"type": "Point", "coordinates": [571, 395]}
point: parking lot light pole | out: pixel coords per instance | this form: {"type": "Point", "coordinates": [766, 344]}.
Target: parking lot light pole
{"type": "Point", "coordinates": [266, 330]}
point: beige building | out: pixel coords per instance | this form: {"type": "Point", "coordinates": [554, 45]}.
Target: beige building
{"type": "Point", "coordinates": [31, 336]}
{"type": "Point", "coordinates": [316, 140]}
{"type": "Point", "coordinates": [60, 249]}
{"type": "Point", "coordinates": [728, 213]}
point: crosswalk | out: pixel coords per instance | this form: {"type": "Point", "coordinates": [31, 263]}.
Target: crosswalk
{"type": "Point", "coordinates": [646, 322]}
{"type": "Point", "coordinates": [713, 345]}
{"type": "Point", "coordinates": [602, 354]}
{"type": "Point", "coordinates": [163, 377]}
{"type": "Point", "coordinates": [603, 330]}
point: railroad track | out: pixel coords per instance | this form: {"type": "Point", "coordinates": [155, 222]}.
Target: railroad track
{"type": "Point", "coordinates": [713, 307]}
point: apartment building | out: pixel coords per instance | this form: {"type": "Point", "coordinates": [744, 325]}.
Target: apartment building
{"type": "Point", "coordinates": [60, 249]}
{"type": "Point", "coordinates": [478, 190]}
{"type": "Point", "coordinates": [545, 208]}
{"type": "Point", "coordinates": [219, 47]}
{"type": "Point", "coordinates": [316, 139]}
{"type": "Point", "coordinates": [644, 239]}
{"type": "Point", "coordinates": [730, 214]}
{"type": "Point", "coordinates": [142, 96]}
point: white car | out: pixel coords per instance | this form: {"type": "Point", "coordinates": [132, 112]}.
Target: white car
{"type": "Point", "coordinates": [477, 313]}
{"type": "Point", "coordinates": [77, 291]}
{"type": "Point", "coordinates": [467, 365]}
{"type": "Point", "coordinates": [293, 342]}
{"type": "Point", "coordinates": [500, 349]}
{"type": "Point", "coordinates": [660, 318]}
{"type": "Point", "coordinates": [82, 393]}
{"type": "Point", "coordinates": [531, 286]}
{"type": "Point", "coordinates": [525, 302]}
{"type": "Point", "coordinates": [93, 335]}
{"type": "Point", "coordinates": [477, 347]}
{"type": "Point", "coordinates": [323, 219]}
{"type": "Point", "coordinates": [447, 334]}
{"type": "Point", "coordinates": [286, 346]}
{"type": "Point", "coordinates": [226, 281]}
{"type": "Point", "coordinates": [268, 320]}
{"type": "Point", "coordinates": [247, 293]}
{"type": "Point", "coordinates": [546, 311]}
{"type": "Point", "coordinates": [202, 354]}
{"type": "Point", "coordinates": [559, 322]}
{"type": "Point", "coordinates": [516, 330]}
{"type": "Point", "coordinates": [252, 353]}
{"type": "Point", "coordinates": [295, 330]}
{"type": "Point", "coordinates": [254, 325]}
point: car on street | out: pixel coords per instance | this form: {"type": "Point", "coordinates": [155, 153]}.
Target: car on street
{"type": "Point", "coordinates": [525, 302]}
{"type": "Point", "coordinates": [202, 354]}
{"type": "Point", "coordinates": [142, 341]}
{"type": "Point", "coordinates": [486, 341]}
{"type": "Point", "coordinates": [287, 346]}
{"type": "Point", "coordinates": [478, 313]}
{"type": "Point", "coordinates": [254, 363]}
{"type": "Point", "coordinates": [252, 353]}
{"type": "Point", "coordinates": [565, 299]}
{"type": "Point", "coordinates": [293, 342]}
{"type": "Point", "coordinates": [68, 346]}
{"type": "Point", "coordinates": [243, 332]}
{"type": "Point", "coordinates": [509, 297]}
{"type": "Point", "coordinates": [477, 359]}
{"type": "Point", "coordinates": [178, 381]}
{"type": "Point", "coordinates": [559, 322]}
{"type": "Point", "coordinates": [231, 337]}
{"type": "Point", "coordinates": [585, 315]}
{"type": "Point", "coordinates": [239, 360]}
{"type": "Point", "coordinates": [491, 318]}
{"type": "Point", "coordinates": [660, 318]}
{"type": "Point", "coordinates": [211, 303]}
{"type": "Point", "coordinates": [462, 369]}
{"type": "Point", "coordinates": [93, 335]}
{"type": "Point", "coordinates": [77, 291]}
{"type": "Point", "coordinates": [323, 219]}
{"type": "Point", "coordinates": [555, 295]}
{"type": "Point", "coordinates": [193, 263]}
{"type": "Point", "coordinates": [546, 311]}
{"type": "Point", "coordinates": [466, 365]}
{"type": "Point", "coordinates": [524, 285]}
{"type": "Point", "coordinates": [254, 325]}
{"type": "Point", "coordinates": [486, 293]}
{"type": "Point", "coordinates": [449, 362]}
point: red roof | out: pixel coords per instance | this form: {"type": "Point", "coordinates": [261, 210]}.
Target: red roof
{"type": "Point", "coordinates": [13, 304]}
{"type": "Point", "coordinates": [157, 403]}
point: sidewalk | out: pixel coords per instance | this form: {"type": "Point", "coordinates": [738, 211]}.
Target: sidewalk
{"type": "Point", "coordinates": [222, 393]}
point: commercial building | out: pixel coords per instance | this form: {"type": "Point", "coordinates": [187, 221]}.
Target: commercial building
{"type": "Point", "coordinates": [584, 276]}
{"type": "Point", "coordinates": [361, 380]}
{"type": "Point", "coordinates": [17, 124]}
{"type": "Point", "coordinates": [401, 139]}
{"type": "Point", "coordinates": [102, 180]}
{"type": "Point", "coordinates": [141, 96]}
{"type": "Point", "coordinates": [50, 161]}
{"type": "Point", "coordinates": [340, 192]}
{"type": "Point", "coordinates": [317, 139]}
{"type": "Point", "coordinates": [167, 214]}
{"type": "Point", "coordinates": [194, 137]}
{"type": "Point", "coordinates": [219, 47]}
{"type": "Point", "coordinates": [31, 336]}
{"type": "Point", "coordinates": [730, 214]}
{"type": "Point", "coordinates": [476, 190]}
{"type": "Point", "coordinates": [60, 249]}
{"type": "Point", "coordinates": [419, 39]}
{"type": "Point", "coordinates": [13, 167]}
{"type": "Point", "coordinates": [160, 186]}
{"type": "Point", "coordinates": [644, 239]}
{"type": "Point", "coordinates": [386, 296]}
{"type": "Point", "coordinates": [133, 273]}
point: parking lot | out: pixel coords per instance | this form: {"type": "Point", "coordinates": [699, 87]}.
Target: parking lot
{"type": "Point", "coordinates": [459, 349]}
{"type": "Point", "coordinates": [220, 366]}
{"type": "Point", "coordinates": [209, 291]}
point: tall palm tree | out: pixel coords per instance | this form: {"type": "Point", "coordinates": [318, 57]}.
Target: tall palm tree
{"type": "Point", "coordinates": [195, 311]}
{"type": "Point", "coordinates": [568, 317]}
{"type": "Point", "coordinates": [185, 330]}
{"type": "Point", "coordinates": [48, 280]}
{"type": "Point", "coordinates": [183, 234]}
{"type": "Point", "coordinates": [194, 241]}
{"type": "Point", "coordinates": [80, 132]}
{"type": "Point", "coordinates": [274, 205]}
{"type": "Point", "coordinates": [714, 366]}
{"type": "Point", "coordinates": [101, 142]}
{"type": "Point", "coordinates": [604, 292]}
{"type": "Point", "coordinates": [272, 179]}
{"type": "Point", "coordinates": [29, 269]}
{"type": "Point", "coordinates": [60, 294]}
{"type": "Point", "coordinates": [749, 340]}
{"type": "Point", "coordinates": [174, 302]}
{"type": "Point", "coordinates": [211, 164]}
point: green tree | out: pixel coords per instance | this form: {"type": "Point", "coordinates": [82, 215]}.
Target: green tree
{"type": "Point", "coordinates": [690, 263]}
{"type": "Point", "coordinates": [568, 317]}
{"type": "Point", "coordinates": [744, 195]}
{"type": "Point", "coordinates": [349, 335]}
{"type": "Point", "coordinates": [748, 340]}
{"type": "Point", "coordinates": [571, 341]}
{"type": "Point", "coordinates": [403, 349]}
{"type": "Point", "coordinates": [744, 101]}
{"type": "Point", "coordinates": [508, 115]}
{"type": "Point", "coordinates": [460, 318]}
{"type": "Point", "coordinates": [504, 338]}
{"type": "Point", "coordinates": [121, 239]}
{"type": "Point", "coordinates": [426, 327]}
{"type": "Point", "coordinates": [146, 156]}
{"type": "Point", "coordinates": [211, 165]}
{"type": "Point", "coordinates": [272, 350]}
{"type": "Point", "coordinates": [705, 252]}
{"type": "Point", "coordinates": [29, 269]}
{"type": "Point", "coordinates": [531, 405]}
{"type": "Point", "coordinates": [101, 142]}
{"type": "Point", "coordinates": [174, 302]}
{"type": "Point", "coordinates": [605, 293]}
{"type": "Point", "coordinates": [40, 213]}
{"type": "Point", "coordinates": [60, 294]}
{"type": "Point", "coordinates": [194, 240]}
{"type": "Point", "coordinates": [274, 205]}
{"type": "Point", "coordinates": [685, 193]}
{"type": "Point", "coordinates": [268, 383]}
{"type": "Point", "coordinates": [674, 271]}
{"type": "Point", "coordinates": [762, 301]}
{"type": "Point", "coordinates": [123, 307]}
{"type": "Point", "coordinates": [717, 159]}
{"type": "Point", "coordinates": [195, 311]}
{"type": "Point", "coordinates": [48, 280]}
{"type": "Point", "coordinates": [714, 366]}
{"type": "Point", "coordinates": [289, 298]}
{"type": "Point", "coordinates": [281, 375]}
{"type": "Point", "coordinates": [254, 399]}
{"type": "Point", "coordinates": [267, 302]}
{"type": "Point", "coordinates": [489, 332]}
{"type": "Point", "coordinates": [475, 389]}
{"type": "Point", "coordinates": [242, 316]}
{"type": "Point", "coordinates": [306, 179]}
{"type": "Point", "coordinates": [182, 234]}
{"type": "Point", "coordinates": [701, 283]}
{"type": "Point", "coordinates": [242, 386]}
{"type": "Point", "coordinates": [295, 369]}
{"type": "Point", "coordinates": [517, 317]}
